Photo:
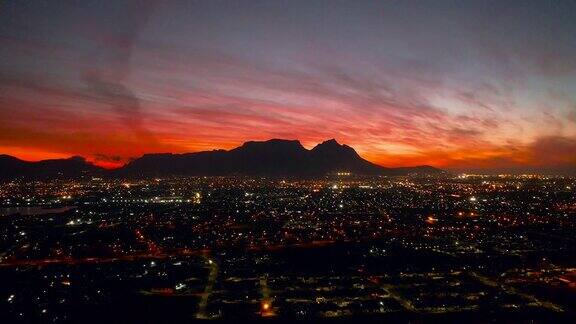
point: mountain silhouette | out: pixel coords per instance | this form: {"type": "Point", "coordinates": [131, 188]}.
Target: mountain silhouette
{"type": "Point", "coordinates": [74, 167]}
{"type": "Point", "coordinates": [275, 157]}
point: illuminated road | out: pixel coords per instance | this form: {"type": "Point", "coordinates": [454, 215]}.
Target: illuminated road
{"type": "Point", "coordinates": [153, 248]}
{"type": "Point", "coordinates": [130, 257]}
{"type": "Point", "coordinates": [153, 252]}
{"type": "Point", "coordinates": [266, 301]}
{"type": "Point", "coordinates": [489, 282]}
{"type": "Point", "coordinates": [201, 314]}
{"type": "Point", "coordinates": [406, 303]}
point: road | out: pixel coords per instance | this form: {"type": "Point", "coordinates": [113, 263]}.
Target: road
{"type": "Point", "coordinates": [509, 289]}
{"type": "Point", "coordinates": [266, 300]}
{"type": "Point", "coordinates": [201, 314]}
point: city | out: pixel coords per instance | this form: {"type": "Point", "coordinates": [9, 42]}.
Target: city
{"type": "Point", "coordinates": [343, 246]}
{"type": "Point", "coordinates": [286, 161]}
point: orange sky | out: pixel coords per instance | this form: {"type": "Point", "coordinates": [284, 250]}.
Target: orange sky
{"type": "Point", "coordinates": [465, 86]}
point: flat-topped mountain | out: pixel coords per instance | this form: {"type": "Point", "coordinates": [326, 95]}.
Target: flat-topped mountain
{"type": "Point", "coordinates": [274, 157]}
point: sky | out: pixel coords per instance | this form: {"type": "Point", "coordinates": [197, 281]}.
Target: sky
{"type": "Point", "coordinates": [461, 85]}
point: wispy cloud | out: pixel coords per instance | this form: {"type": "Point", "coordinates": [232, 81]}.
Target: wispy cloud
{"type": "Point", "coordinates": [461, 93]}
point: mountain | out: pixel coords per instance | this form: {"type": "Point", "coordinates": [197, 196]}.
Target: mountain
{"type": "Point", "coordinates": [330, 156]}
{"type": "Point", "coordinates": [274, 157]}
{"type": "Point", "coordinates": [74, 167]}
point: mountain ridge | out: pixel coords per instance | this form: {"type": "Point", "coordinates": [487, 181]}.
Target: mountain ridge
{"type": "Point", "coordinates": [274, 157]}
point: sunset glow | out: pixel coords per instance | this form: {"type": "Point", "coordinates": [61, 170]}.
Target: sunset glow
{"type": "Point", "coordinates": [454, 85]}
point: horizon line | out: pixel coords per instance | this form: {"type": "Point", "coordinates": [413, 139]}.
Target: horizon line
{"type": "Point", "coordinates": [566, 170]}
